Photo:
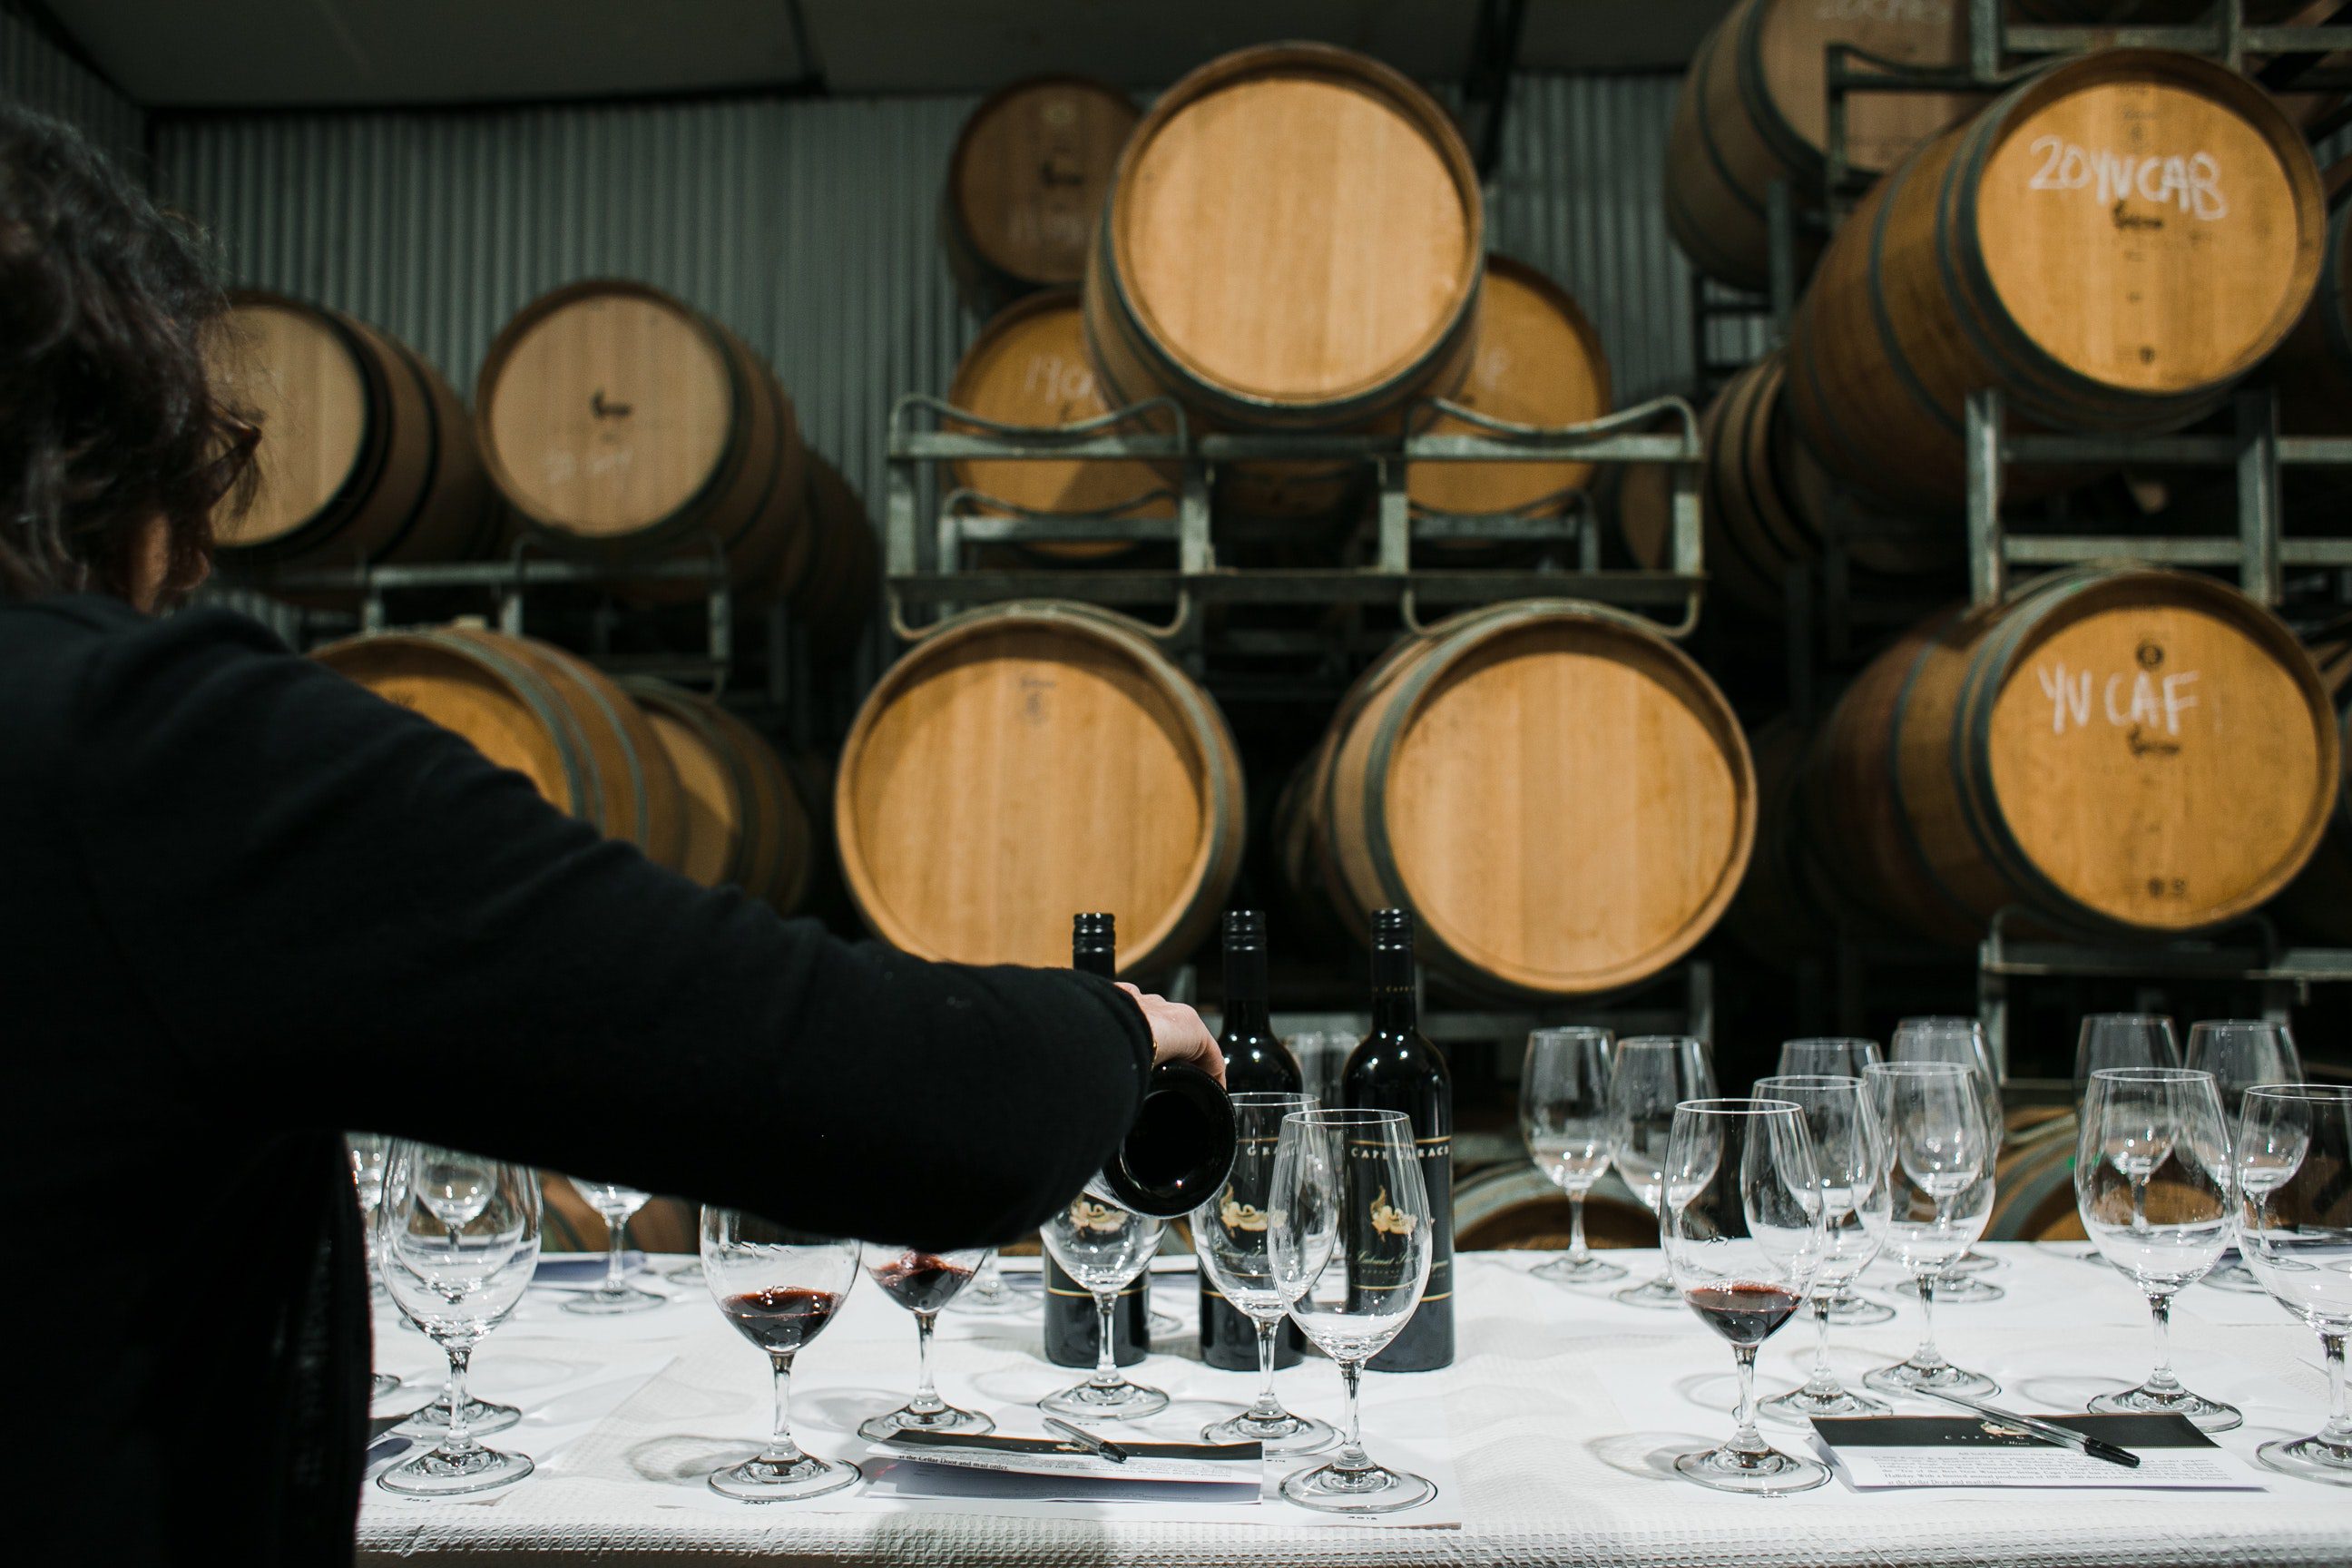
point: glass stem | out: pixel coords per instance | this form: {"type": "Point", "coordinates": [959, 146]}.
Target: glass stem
{"type": "Point", "coordinates": [1928, 1358]}
{"type": "Point", "coordinates": [1267, 1407]}
{"type": "Point", "coordinates": [781, 1450]}
{"type": "Point", "coordinates": [1578, 1253]}
{"type": "Point", "coordinates": [1823, 1382]}
{"type": "Point", "coordinates": [2339, 1429]}
{"type": "Point", "coordinates": [459, 1438]}
{"type": "Point", "coordinates": [1747, 1439]}
{"type": "Point", "coordinates": [2159, 1310]}
{"type": "Point", "coordinates": [1351, 1455]}
{"type": "Point", "coordinates": [616, 1236]}
{"type": "Point", "coordinates": [1106, 1351]}
{"type": "Point", "coordinates": [988, 1284]}
{"type": "Point", "coordinates": [927, 1401]}
{"type": "Point", "coordinates": [2140, 1204]}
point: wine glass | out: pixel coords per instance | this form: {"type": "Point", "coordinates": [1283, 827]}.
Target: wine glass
{"type": "Point", "coordinates": [1846, 1152]}
{"type": "Point", "coordinates": [367, 1152]}
{"type": "Point", "coordinates": [1961, 1040]}
{"type": "Point", "coordinates": [2123, 1040]}
{"type": "Point", "coordinates": [1228, 1233]}
{"type": "Point", "coordinates": [1571, 1131]}
{"type": "Point", "coordinates": [614, 1204]}
{"type": "Point", "coordinates": [459, 1237]}
{"type": "Point", "coordinates": [1936, 1154]}
{"type": "Point", "coordinates": [923, 1282]}
{"type": "Point", "coordinates": [1102, 1245]}
{"type": "Point", "coordinates": [779, 1287]}
{"type": "Point", "coordinates": [988, 1295]}
{"type": "Point", "coordinates": [2293, 1151]}
{"type": "Point", "coordinates": [1649, 1076]}
{"type": "Point", "coordinates": [1744, 1236]}
{"type": "Point", "coordinates": [2241, 1052]}
{"type": "Point", "coordinates": [2138, 1123]}
{"type": "Point", "coordinates": [1832, 1055]}
{"type": "Point", "coordinates": [1349, 1234]}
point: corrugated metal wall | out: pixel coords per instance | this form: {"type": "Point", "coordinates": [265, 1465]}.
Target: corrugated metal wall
{"type": "Point", "coordinates": [33, 73]}
{"type": "Point", "coordinates": [808, 226]}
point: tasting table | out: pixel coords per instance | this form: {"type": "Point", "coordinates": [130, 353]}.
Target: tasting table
{"type": "Point", "coordinates": [1557, 1425]}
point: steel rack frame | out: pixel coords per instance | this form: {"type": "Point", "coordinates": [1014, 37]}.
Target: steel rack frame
{"type": "Point", "coordinates": [925, 550]}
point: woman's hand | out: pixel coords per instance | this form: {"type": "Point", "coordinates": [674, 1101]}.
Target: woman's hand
{"type": "Point", "coordinates": [1177, 1033]}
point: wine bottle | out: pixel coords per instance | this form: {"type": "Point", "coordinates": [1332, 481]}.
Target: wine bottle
{"type": "Point", "coordinates": [1069, 1307]}
{"type": "Point", "coordinates": [1255, 1062]}
{"type": "Point", "coordinates": [1397, 1069]}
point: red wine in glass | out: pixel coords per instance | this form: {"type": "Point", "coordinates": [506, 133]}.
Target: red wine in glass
{"type": "Point", "coordinates": [922, 1282]}
{"type": "Point", "coordinates": [782, 1318]}
{"type": "Point", "coordinates": [1744, 1313]}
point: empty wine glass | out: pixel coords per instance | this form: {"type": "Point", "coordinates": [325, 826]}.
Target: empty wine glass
{"type": "Point", "coordinates": [987, 1294]}
{"type": "Point", "coordinates": [1962, 1041]}
{"type": "Point", "coordinates": [460, 1235]}
{"type": "Point", "coordinates": [367, 1152]}
{"type": "Point", "coordinates": [1571, 1131]}
{"type": "Point", "coordinates": [2291, 1154]}
{"type": "Point", "coordinates": [1349, 1232]}
{"type": "Point", "coordinates": [1936, 1154]}
{"type": "Point", "coordinates": [1649, 1076]}
{"type": "Point", "coordinates": [923, 1282]}
{"type": "Point", "coordinates": [1102, 1245]}
{"type": "Point", "coordinates": [2241, 1052]}
{"type": "Point", "coordinates": [2152, 1184]}
{"type": "Point", "coordinates": [1828, 1056]}
{"type": "Point", "coordinates": [1848, 1158]}
{"type": "Point", "coordinates": [1744, 1236]}
{"type": "Point", "coordinates": [779, 1287]}
{"type": "Point", "coordinates": [1229, 1233]}
{"type": "Point", "coordinates": [2123, 1040]}
{"type": "Point", "coordinates": [614, 1204]}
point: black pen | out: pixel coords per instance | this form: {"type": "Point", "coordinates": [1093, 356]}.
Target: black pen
{"type": "Point", "coordinates": [2064, 1437]}
{"type": "Point", "coordinates": [1104, 1446]}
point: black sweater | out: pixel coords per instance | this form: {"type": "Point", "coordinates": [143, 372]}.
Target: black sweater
{"type": "Point", "coordinates": [245, 905]}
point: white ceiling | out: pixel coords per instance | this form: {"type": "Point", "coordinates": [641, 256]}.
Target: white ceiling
{"type": "Point", "coordinates": [283, 52]}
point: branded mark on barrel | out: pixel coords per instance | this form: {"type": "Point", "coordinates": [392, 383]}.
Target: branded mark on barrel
{"type": "Point", "coordinates": [2140, 703]}
{"type": "Point", "coordinates": [1050, 376]}
{"type": "Point", "coordinates": [1033, 698]}
{"type": "Point", "coordinates": [1917, 12]}
{"type": "Point", "coordinates": [2192, 182]}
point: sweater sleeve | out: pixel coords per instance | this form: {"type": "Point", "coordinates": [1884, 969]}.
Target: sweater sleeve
{"type": "Point", "coordinates": [342, 916]}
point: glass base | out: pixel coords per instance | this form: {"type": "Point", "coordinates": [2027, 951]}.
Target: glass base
{"type": "Point", "coordinates": [1799, 1406]}
{"type": "Point", "coordinates": [1972, 1262]}
{"type": "Point", "coordinates": [1287, 1436]}
{"type": "Point", "coordinates": [685, 1273]}
{"type": "Point", "coordinates": [604, 1303]}
{"type": "Point", "coordinates": [2236, 1277]}
{"type": "Point", "coordinates": [1653, 1293]}
{"type": "Point", "coordinates": [2205, 1415]}
{"type": "Point", "coordinates": [1954, 1291]}
{"type": "Point", "coordinates": [482, 1418]}
{"type": "Point", "coordinates": [1164, 1326]}
{"type": "Point", "coordinates": [768, 1480]}
{"type": "Point", "coordinates": [2312, 1458]}
{"type": "Point", "coordinates": [906, 1418]}
{"type": "Point", "coordinates": [1907, 1378]}
{"type": "Point", "coordinates": [1007, 1299]}
{"type": "Point", "coordinates": [1766, 1472]}
{"type": "Point", "coordinates": [1576, 1272]}
{"type": "Point", "coordinates": [381, 1384]}
{"type": "Point", "coordinates": [437, 1474]}
{"type": "Point", "coordinates": [1854, 1310]}
{"type": "Point", "coordinates": [1374, 1489]}
{"type": "Point", "coordinates": [1120, 1401]}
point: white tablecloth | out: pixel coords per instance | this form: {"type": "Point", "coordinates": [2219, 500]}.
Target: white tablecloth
{"type": "Point", "coordinates": [1564, 1411]}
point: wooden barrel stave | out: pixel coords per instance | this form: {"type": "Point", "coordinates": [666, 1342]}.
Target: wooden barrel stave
{"type": "Point", "coordinates": [747, 824]}
{"type": "Point", "coordinates": [2320, 898]}
{"type": "Point", "coordinates": [1029, 761]}
{"type": "Point", "coordinates": [2313, 368]}
{"type": "Point", "coordinates": [1023, 185]}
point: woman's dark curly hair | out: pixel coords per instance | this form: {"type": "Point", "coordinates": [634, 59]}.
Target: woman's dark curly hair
{"type": "Point", "coordinates": [108, 416]}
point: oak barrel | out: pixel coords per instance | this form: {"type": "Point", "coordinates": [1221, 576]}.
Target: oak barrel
{"type": "Point", "coordinates": [746, 824]}
{"type": "Point", "coordinates": [1028, 366]}
{"type": "Point", "coordinates": [623, 424]}
{"type": "Point", "coordinates": [1293, 240]}
{"type": "Point", "coordinates": [1751, 110]}
{"type": "Point", "coordinates": [2112, 243]}
{"type": "Point", "coordinates": [2130, 751]}
{"type": "Point", "coordinates": [1558, 791]}
{"type": "Point", "coordinates": [2320, 900]}
{"type": "Point", "coordinates": [1025, 185]}
{"type": "Point", "coordinates": [836, 592]}
{"type": "Point", "coordinates": [556, 719]}
{"type": "Point", "coordinates": [1538, 362]}
{"type": "Point", "coordinates": [1785, 911]}
{"type": "Point", "coordinates": [1512, 1208]}
{"type": "Point", "coordinates": [366, 454]}
{"type": "Point", "coordinates": [1028, 761]}
{"type": "Point", "coordinates": [2312, 367]}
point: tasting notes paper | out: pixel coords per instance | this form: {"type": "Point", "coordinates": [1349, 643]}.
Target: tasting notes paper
{"type": "Point", "coordinates": [1885, 1452]}
{"type": "Point", "coordinates": [1045, 1469]}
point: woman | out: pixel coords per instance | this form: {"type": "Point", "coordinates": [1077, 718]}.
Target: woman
{"type": "Point", "coordinates": [244, 905]}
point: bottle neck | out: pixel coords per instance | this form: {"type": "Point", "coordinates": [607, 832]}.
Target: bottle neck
{"type": "Point", "coordinates": [1099, 960]}
{"type": "Point", "coordinates": [1395, 1008]}
{"type": "Point", "coordinates": [1246, 1012]}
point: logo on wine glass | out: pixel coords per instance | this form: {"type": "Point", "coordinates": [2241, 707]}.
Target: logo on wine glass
{"type": "Point", "coordinates": [1237, 1215]}
{"type": "Point", "coordinates": [1087, 1214]}
{"type": "Point", "coordinates": [1389, 1220]}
